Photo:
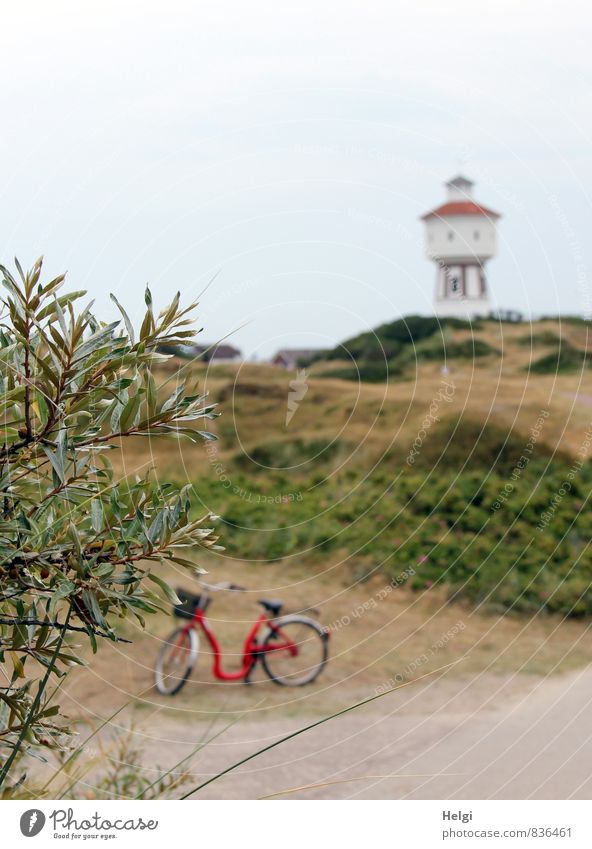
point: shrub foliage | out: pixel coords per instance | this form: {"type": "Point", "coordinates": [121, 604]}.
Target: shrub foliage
{"type": "Point", "coordinates": [78, 549]}
{"type": "Point", "coordinates": [391, 349]}
{"type": "Point", "coordinates": [475, 515]}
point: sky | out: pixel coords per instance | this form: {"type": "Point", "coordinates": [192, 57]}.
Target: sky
{"type": "Point", "coordinates": [289, 149]}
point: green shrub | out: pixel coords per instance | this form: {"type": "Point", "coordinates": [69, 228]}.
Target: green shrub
{"type": "Point", "coordinates": [80, 549]}
{"type": "Point", "coordinates": [367, 372]}
{"type": "Point", "coordinates": [565, 359]}
{"type": "Point", "coordinates": [438, 348]}
{"type": "Point", "coordinates": [542, 338]}
{"type": "Point", "coordinates": [390, 349]}
{"type": "Point", "coordinates": [392, 337]}
{"type": "Point", "coordinates": [444, 517]}
{"type": "Point", "coordinates": [578, 320]}
{"type": "Point", "coordinates": [283, 454]}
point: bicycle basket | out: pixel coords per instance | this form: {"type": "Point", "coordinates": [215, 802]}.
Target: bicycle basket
{"type": "Point", "coordinates": [189, 604]}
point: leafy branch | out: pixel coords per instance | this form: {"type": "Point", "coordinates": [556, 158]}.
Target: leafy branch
{"type": "Point", "coordinates": [73, 537]}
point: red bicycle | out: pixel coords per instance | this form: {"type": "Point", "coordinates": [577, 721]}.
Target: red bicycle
{"type": "Point", "coordinates": [292, 649]}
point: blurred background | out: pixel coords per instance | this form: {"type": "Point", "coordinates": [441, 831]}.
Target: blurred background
{"type": "Point", "coordinates": [291, 148]}
{"type": "Point", "coordinates": [422, 484]}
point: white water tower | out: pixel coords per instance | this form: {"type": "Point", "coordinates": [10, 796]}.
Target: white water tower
{"type": "Point", "coordinates": [460, 238]}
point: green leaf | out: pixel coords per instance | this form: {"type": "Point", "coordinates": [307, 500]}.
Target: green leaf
{"type": "Point", "coordinates": [42, 409]}
{"type": "Point", "coordinates": [92, 605]}
{"type": "Point", "coordinates": [57, 462]}
{"type": "Point", "coordinates": [93, 641]}
{"type": "Point", "coordinates": [62, 301]}
{"type": "Point", "coordinates": [147, 326]}
{"type": "Point", "coordinates": [50, 711]}
{"type": "Point", "coordinates": [151, 394]}
{"type": "Point", "coordinates": [128, 325]}
{"type": "Point", "coordinates": [171, 312]}
{"type": "Point", "coordinates": [189, 564]}
{"type": "Point", "coordinates": [166, 588]}
{"type": "Point", "coordinates": [18, 667]}
{"type": "Point", "coordinates": [130, 411]}
{"type": "Point", "coordinates": [63, 590]}
{"type": "Point", "coordinates": [97, 515]}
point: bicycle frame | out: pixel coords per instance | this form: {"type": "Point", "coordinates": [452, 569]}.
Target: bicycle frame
{"type": "Point", "coordinates": [251, 648]}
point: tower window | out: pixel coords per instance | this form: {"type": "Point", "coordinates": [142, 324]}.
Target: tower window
{"type": "Point", "coordinates": [476, 235]}
{"type": "Point", "coordinates": [450, 235]}
{"type": "Point", "coordinates": [454, 285]}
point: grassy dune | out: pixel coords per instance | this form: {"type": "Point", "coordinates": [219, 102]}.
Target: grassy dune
{"type": "Point", "coordinates": [327, 513]}
{"type": "Point", "coordinates": [457, 475]}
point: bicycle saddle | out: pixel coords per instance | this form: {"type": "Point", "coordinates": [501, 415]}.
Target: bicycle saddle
{"type": "Point", "coordinates": [272, 605]}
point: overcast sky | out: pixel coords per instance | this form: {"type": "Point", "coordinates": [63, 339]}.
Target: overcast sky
{"type": "Point", "coordinates": [291, 147]}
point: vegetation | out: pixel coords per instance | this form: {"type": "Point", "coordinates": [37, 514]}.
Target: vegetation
{"type": "Point", "coordinates": [468, 513]}
{"type": "Point", "coordinates": [387, 340]}
{"type": "Point", "coordinates": [465, 515]}
{"type": "Point", "coordinates": [396, 349]}
{"type": "Point", "coordinates": [81, 543]}
{"type": "Point", "coordinates": [78, 549]}
{"type": "Point", "coordinates": [541, 339]}
{"type": "Point", "coordinates": [577, 320]}
{"type": "Point", "coordinates": [565, 359]}
{"type": "Point", "coordinates": [391, 349]}
{"type": "Point", "coordinates": [367, 372]}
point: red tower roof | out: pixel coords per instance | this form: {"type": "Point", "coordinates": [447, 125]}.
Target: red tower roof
{"type": "Point", "coordinates": [460, 207]}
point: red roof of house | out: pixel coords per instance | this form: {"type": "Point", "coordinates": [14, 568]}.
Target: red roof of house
{"type": "Point", "coordinates": [460, 207]}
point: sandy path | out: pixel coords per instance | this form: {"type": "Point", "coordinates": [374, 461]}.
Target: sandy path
{"type": "Point", "coordinates": [494, 738]}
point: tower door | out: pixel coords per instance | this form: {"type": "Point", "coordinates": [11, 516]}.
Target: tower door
{"type": "Point", "coordinates": [455, 282]}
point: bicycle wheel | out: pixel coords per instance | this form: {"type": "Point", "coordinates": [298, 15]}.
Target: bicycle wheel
{"type": "Point", "coordinates": [175, 661]}
{"type": "Point", "coordinates": [295, 651]}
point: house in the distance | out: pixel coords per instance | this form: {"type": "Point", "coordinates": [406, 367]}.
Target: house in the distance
{"type": "Point", "coordinates": [215, 354]}
{"type": "Point", "coordinates": [206, 353]}
{"type": "Point", "coordinates": [291, 358]}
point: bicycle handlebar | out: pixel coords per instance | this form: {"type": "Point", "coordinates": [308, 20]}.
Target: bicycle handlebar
{"type": "Point", "coordinates": [227, 585]}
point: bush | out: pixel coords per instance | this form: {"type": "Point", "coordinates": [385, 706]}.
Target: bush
{"type": "Point", "coordinates": [387, 340]}
{"type": "Point", "coordinates": [565, 359]}
{"type": "Point", "coordinates": [79, 550]}
{"type": "Point", "coordinates": [389, 350]}
{"type": "Point", "coordinates": [578, 320]}
{"type": "Point", "coordinates": [438, 349]}
{"type": "Point", "coordinates": [543, 338]}
{"type": "Point", "coordinates": [288, 453]}
{"type": "Point", "coordinates": [460, 517]}
{"type": "Point", "coordinates": [367, 372]}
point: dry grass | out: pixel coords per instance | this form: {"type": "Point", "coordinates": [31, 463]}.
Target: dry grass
{"type": "Point", "coordinates": [372, 417]}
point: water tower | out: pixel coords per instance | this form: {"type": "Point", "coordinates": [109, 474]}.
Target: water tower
{"type": "Point", "coordinates": [460, 238]}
